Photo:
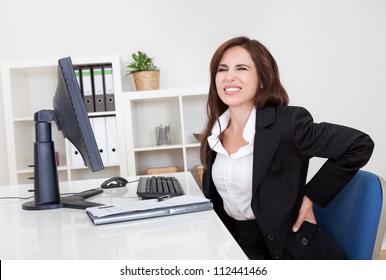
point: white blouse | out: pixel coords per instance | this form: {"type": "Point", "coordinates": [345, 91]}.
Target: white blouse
{"type": "Point", "coordinates": [232, 174]}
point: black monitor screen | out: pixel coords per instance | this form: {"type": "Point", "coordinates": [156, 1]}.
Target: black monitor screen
{"type": "Point", "coordinates": [71, 117]}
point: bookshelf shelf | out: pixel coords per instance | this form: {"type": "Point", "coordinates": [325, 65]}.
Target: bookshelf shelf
{"type": "Point", "coordinates": [183, 109]}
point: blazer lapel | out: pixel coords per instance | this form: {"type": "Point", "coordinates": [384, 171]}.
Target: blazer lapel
{"type": "Point", "coordinates": [265, 145]}
{"type": "Point", "coordinates": [207, 176]}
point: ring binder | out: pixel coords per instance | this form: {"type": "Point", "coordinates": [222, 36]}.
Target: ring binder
{"type": "Point", "coordinates": [109, 88]}
{"type": "Point", "coordinates": [99, 92]}
{"type": "Point", "coordinates": [87, 89]}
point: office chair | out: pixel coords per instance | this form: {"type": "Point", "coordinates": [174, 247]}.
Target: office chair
{"type": "Point", "coordinates": [355, 219]}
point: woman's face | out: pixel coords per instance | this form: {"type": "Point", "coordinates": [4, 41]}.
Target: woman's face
{"type": "Point", "coordinates": [236, 78]}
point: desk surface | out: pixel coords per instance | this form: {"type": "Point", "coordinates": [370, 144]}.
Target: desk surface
{"type": "Point", "coordinates": [69, 234]}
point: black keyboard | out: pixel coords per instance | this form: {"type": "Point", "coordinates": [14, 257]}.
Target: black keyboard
{"type": "Point", "coordinates": [156, 186]}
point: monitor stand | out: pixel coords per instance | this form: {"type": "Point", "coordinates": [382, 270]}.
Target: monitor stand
{"type": "Point", "coordinates": [46, 183]}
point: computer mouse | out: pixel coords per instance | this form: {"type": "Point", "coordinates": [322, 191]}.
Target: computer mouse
{"type": "Point", "coordinates": [114, 182]}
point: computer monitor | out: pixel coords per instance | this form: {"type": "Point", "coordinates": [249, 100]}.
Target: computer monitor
{"type": "Point", "coordinates": [71, 118]}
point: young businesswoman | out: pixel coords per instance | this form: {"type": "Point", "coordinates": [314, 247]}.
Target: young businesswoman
{"type": "Point", "coordinates": [256, 151]}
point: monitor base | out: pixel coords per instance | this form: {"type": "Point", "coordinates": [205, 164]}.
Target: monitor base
{"type": "Point", "coordinates": [75, 201]}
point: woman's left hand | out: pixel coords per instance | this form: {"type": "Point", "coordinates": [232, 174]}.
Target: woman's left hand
{"type": "Point", "coordinates": [306, 213]}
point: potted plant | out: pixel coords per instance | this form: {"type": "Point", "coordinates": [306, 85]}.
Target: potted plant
{"type": "Point", "coordinates": [146, 74]}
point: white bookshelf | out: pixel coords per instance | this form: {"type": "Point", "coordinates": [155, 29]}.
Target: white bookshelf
{"type": "Point", "coordinates": [28, 87]}
{"type": "Point", "coordinates": [183, 109]}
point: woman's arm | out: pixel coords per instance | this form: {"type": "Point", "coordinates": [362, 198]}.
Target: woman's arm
{"type": "Point", "coordinates": [346, 150]}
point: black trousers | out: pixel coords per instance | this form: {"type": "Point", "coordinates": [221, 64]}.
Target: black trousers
{"type": "Point", "coordinates": [250, 238]}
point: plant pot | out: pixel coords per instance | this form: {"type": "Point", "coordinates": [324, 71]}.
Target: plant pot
{"type": "Point", "coordinates": [146, 80]}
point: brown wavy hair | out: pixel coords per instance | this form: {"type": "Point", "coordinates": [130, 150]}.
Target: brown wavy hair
{"type": "Point", "coordinates": [272, 93]}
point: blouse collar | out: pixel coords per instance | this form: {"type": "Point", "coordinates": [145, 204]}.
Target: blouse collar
{"type": "Point", "coordinates": [222, 123]}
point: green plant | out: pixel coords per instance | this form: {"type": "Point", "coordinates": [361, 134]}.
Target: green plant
{"type": "Point", "coordinates": [141, 62]}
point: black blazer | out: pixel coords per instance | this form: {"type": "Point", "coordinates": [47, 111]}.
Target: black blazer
{"type": "Point", "coordinates": [285, 139]}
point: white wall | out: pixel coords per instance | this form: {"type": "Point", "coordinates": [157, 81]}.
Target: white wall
{"type": "Point", "coordinates": [331, 53]}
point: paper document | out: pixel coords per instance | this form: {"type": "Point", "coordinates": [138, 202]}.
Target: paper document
{"type": "Point", "coordinates": [150, 208]}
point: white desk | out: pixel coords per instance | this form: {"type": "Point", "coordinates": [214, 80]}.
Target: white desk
{"type": "Point", "coordinates": [69, 234]}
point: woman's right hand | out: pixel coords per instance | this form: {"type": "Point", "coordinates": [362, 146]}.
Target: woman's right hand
{"type": "Point", "coordinates": [306, 213]}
